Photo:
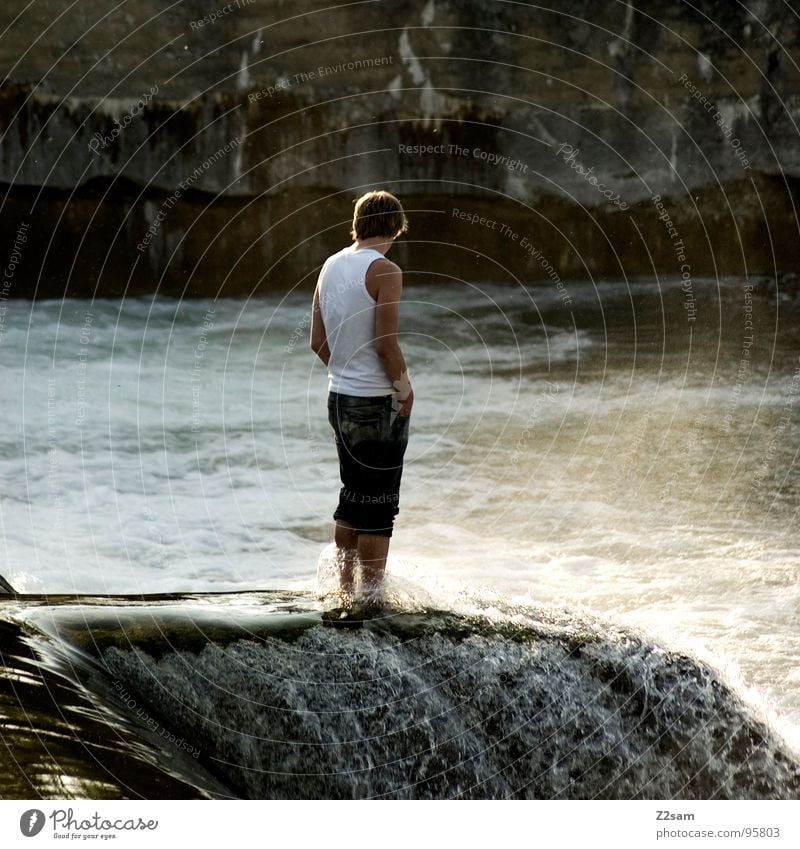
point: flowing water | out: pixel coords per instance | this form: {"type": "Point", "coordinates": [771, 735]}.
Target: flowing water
{"type": "Point", "coordinates": [248, 696]}
{"type": "Point", "coordinates": [609, 454]}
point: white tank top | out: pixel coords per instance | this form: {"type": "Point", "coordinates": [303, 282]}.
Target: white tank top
{"type": "Point", "coordinates": [348, 313]}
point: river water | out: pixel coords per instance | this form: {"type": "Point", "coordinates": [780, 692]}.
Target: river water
{"type": "Point", "coordinates": [632, 450]}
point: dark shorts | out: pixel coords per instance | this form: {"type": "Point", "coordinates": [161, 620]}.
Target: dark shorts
{"type": "Point", "coordinates": [371, 442]}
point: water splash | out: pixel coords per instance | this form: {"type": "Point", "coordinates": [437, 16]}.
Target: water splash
{"type": "Point", "coordinates": [517, 704]}
{"type": "Point", "coordinates": [405, 587]}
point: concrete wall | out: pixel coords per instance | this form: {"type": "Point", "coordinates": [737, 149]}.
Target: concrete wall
{"type": "Point", "coordinates": [212, 145]}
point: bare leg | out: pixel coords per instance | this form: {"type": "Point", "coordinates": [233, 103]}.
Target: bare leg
{"type": "Point", "coordinates": [372, 552]}
{"type": "Point", "coordinates": [346, 540]}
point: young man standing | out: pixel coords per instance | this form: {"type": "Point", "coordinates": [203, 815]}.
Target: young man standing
{"type": "Point", "coordinates": [354, 325]}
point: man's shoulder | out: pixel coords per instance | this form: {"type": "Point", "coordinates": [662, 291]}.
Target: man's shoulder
{"type": "Point", "coordinates": [335, 256]}
{"type": "Point", "coordinates": [382, 265]}
{"type": "Point", "coordinates": [330, 264]}
{"type": "Point", "coordinates": [384, 278]}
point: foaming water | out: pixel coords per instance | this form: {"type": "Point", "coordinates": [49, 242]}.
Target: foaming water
{"type": "Point", "coordinates": [510, 703]}
{"type": "Point", "coordinates": [259, 696]}
{"type": "Point", "coordinates": [614, 457]}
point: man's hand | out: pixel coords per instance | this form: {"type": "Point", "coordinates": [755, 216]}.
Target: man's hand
{"type": "Point", "coordinates": [405, 406]}
{"type": "Point", "coordinates": [404, 394]}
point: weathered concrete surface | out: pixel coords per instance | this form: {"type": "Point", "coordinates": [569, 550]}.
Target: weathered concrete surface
{"type": "Point", "coordinates": [249, 128]}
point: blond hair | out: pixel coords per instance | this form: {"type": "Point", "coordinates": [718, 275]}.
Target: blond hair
{"type": "Point", "coordinates": [378, 213]}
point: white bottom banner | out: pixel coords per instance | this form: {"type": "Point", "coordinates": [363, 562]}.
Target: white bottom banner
{"type": "Point", "coordinates": [389, 824]}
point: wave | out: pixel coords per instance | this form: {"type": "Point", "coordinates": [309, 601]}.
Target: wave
{"type": "Point", "coordinates": [249, 695]}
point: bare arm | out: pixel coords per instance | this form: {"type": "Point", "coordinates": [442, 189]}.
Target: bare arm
{"type": "Point", "coordinates": [387, 278]}
{"type": "Point", "coordinates": [319, 338]}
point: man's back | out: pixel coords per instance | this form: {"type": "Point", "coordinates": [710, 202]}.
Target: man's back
{"type": "Point", "coordinates": [348, 312]}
